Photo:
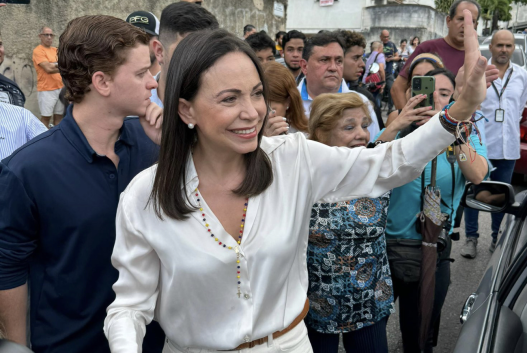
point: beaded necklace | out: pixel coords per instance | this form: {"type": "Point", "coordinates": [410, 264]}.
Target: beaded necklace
{"type": "Point", "coordinates": [236, 248]}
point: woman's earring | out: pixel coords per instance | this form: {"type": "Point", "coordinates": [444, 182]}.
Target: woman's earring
{"type": "Point", "coordinates": [287, 108]}
{"type": "Point", "coordinates": [190, 126]}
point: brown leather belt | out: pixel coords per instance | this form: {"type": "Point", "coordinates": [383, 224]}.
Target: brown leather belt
{"type": "Point", "coordinates": [277, 334]}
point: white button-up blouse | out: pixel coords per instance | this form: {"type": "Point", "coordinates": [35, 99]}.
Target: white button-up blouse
{"type": "Point", "coordinates": [175, 272]}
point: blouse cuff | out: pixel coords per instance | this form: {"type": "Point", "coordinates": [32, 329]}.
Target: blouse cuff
{"type": "Point", "coordinates": [125, 331]}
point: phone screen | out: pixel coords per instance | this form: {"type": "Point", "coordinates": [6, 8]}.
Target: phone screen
{"type": "Point", "coordinates": [424, 85]}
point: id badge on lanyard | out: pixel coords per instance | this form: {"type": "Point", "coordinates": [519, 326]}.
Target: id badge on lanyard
{"type": "Point", "coordinates": [499, 115]}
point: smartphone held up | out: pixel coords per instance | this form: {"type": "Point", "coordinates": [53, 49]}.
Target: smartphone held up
{"type": "Point", "coordinates": [424, 85]}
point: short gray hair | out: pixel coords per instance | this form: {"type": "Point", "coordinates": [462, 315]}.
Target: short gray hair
{"type": "Point", "coordinates": [375, 45]}
{"type": "Point", "coordinates": [42, 29]}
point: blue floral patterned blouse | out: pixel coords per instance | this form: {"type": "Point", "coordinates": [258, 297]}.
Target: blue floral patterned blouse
{"type": "Point", "coordinates": [350, 286]}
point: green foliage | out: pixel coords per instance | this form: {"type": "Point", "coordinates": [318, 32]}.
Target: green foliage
{"type": "Point", "coordinates": [444, 5]}
{"type": "Point", "coordinates": [491, 10]}
{"type": "Point", "coordinates": [499, 9]}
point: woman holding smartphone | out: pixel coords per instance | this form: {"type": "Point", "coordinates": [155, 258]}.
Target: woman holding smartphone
{"type": "Point", "coordinates": [458, 164]}
{"type": "Point", "coordinates": [287, 112]}
{"type": "Point", "coordinates": [421, 64]}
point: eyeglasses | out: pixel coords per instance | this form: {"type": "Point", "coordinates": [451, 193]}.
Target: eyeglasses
{"type": "Point", "coordinates": [47, 35]}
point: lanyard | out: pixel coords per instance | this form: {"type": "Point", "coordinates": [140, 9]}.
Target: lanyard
{"type": "Point", "coordinates": [503, 88]}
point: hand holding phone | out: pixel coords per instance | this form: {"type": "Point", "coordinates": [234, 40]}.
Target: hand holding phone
{"type": "Point", "coordinates": [276, 125]}
{"type": "Point", "coordinates": [424, 85]}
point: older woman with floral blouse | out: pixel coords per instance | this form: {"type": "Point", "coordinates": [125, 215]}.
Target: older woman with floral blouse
{"type": "Point", "coordinates": [350, 288]}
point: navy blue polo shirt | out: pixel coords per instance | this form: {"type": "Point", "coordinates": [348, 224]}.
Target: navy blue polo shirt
{"type": "Point", "coordinates": [58, 201]}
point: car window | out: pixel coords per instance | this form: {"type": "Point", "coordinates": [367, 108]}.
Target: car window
{"type": "Point", "coordinates": [517, 40]}
{"type": "Point", "coordinates": [486, 53]}
{"type": "Point", "coordinates": [517, 57]}
{"type": "Point", "coordinates": [521, 241]}
{"type": "Point", "coordinates": [520, 41]}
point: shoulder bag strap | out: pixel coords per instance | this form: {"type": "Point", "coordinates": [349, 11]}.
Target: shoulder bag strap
{"type": "Point", "coordinates": [374, 61]}
{"type": "Point", "coordinates": [453, 187]}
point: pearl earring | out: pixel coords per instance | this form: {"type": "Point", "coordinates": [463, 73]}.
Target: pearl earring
{"type": "Point", "coordinates": [287, 108]}
{"type": "Point", "coordinates": [190, 126]}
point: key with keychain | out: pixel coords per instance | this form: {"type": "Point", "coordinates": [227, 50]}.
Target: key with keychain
{"type": "Point", "coordinates": [451, 155]}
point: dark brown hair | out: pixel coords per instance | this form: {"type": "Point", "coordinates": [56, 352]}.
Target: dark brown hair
{"type": "Point", "coordinates": [321, 39]}
{"type": "Point", "coordinates": [351, 39]}
{"type": "Point", "coordinates": [196, 54]}
{"type": "Point", "coordinates": [433, 59]}
{"type": "Point", "coordinates": [282, 86]}
{"type": "Point", "coordinates": [180, 18]}
{"type": "Point", "coordinates": [94, 43]}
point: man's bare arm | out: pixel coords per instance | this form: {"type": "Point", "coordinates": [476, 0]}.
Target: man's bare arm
{"type": "Point", "coordinates": [50, 68]}
{"type": "Point", "coordinates": [13, 309]}
{"type": "Point", "coordinates": [398, 92]}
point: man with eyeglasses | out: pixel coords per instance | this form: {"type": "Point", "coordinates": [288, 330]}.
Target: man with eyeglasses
{"type": "Point", "coordinates": [49, 82]}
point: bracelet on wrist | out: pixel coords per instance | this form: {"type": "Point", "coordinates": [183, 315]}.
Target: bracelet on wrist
{"type": "Point", "coordinates": [447, 116]}
{"type": "Point", "coordinates": [464, 136]}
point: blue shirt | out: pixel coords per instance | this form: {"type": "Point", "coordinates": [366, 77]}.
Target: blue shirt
{"type": "Point", "coordinates": [17, 126]}
{"type": "Point", "coordinates": [405, 203]}
{"type": "Point", "coordinates": [58, 201]}
{"type": "Point", "coordinates": [154, 98]}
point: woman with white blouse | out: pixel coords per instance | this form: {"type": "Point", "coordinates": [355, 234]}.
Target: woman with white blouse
{"type": "Point", "coordinates": [211, 241]}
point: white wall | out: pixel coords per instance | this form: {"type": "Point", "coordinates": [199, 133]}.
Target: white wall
{"type": "Point", "coordinates": [518, 14]}
{"type": "Point", "coordinates": [309, 17]}
{"type": "Point", "coordinates": [430, 3]}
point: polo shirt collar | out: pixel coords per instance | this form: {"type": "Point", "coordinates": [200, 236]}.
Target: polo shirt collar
{"type": "Point", "coordinates": [74, 135]}
{"type": "Point", "coordinates": [305, 95]}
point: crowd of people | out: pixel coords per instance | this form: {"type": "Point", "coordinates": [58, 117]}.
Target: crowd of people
{"type": "Point", "coordinates": [186, 189]}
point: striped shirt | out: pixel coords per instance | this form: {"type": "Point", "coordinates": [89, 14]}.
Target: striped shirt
{"type": "Point", "coordinates": [17, 126]}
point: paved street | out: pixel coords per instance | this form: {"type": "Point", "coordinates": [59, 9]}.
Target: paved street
{"type": "Point", "coordinates": [465, 278]}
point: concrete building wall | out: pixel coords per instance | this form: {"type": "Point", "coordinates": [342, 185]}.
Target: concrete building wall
{"type": "Point", "coordinates": [412, 18]}
{"type": "Point", "coordinates": [403, 22]}
{"type": "Point", "coordinates": [309, 17]}
{"type": "Point", "coordinates": [430, 3]}
{"type": "Point", "coordinates": [20, 25]}
{"type": "Point", "coordinates": [518, 20]}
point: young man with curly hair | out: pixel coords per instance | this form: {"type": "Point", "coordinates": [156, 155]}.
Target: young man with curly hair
{"type": "Point", "coordinates": [263, 46]}
{"type": "Point", "coordinates": [354, 45]}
